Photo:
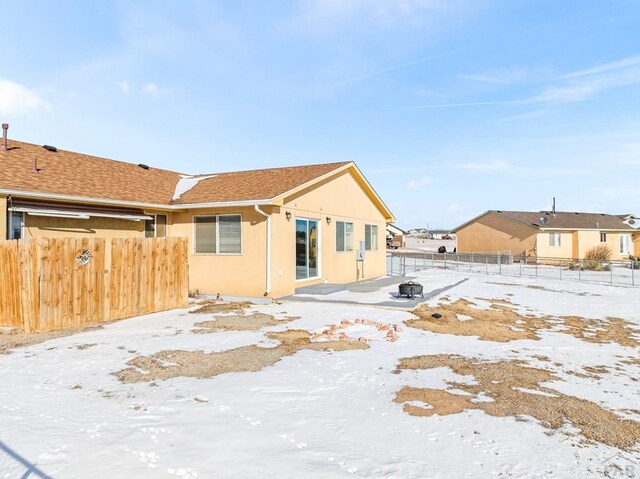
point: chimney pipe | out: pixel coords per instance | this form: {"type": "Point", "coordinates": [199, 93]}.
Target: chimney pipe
{"type": "Point", "coordinates": [554, 206]}
{"type": "Point", "coordinates": [34, 165]}
{"type": "Point", "coordinates": [5, 127]}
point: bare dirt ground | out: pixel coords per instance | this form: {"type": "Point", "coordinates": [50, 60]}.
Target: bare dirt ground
{"type": "Point", "coordinates": [239, 321]}
{"type": "Point", "coordinates": [17, 339]}
{"type": "Point", "coordinates": [502, 323]}
{"type": "Point", "coordinates": [514, 389]}
{"type": "Point", "coordinates": [171, 364]}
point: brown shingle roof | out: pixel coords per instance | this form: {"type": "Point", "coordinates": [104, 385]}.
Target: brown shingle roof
{"type": "Point", "coordinates": [568, 220]}
{"type": "Point", "coordinates": [78, 175]}
{"type": "Point", "coordinates": [255, 184]}
{"type": "Point", "coordinates": [74, 174]}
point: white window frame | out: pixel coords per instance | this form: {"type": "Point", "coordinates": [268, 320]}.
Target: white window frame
{"type": "Point", "coordinates": [217, 253]}
{"type": "Point", "coordinates": [555, 239]}
{"type": "Point", "coordinates": [625, 243]}
{"type": "Point", "coordinates": [344, 232]}
{"type": "Point", "coordinates": [319, 260]}
{"type": "Point", "coordinates": [155, 225]}
{"type": "Point", "coordinates": [603, 237]}
{"type": "Point", "coordinates": [10, 225]}
{"type": "Point", "coordinates": [371, 236]}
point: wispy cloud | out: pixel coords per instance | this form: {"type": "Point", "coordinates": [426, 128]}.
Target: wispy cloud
{"type": "Point", "coordinates": [503, 76]}
{"type": "Point", "coordinates": [419, 182]}
{"type": "Point", "coordinates": [152, 89]}
{"type": "Point", "coordinates": [372, 74]}
{"type": "Point", "coordinates": [18, 99]}
{"type": "Point", "coordinates": [627, 62]}
{"type": "Point", "coordinates": [573, 87]}
{"type": "Point", "coordinates": [124, 86]}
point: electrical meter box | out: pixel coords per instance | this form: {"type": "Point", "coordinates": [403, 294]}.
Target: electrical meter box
{"type": "Point", "coordinates": [360, 252]}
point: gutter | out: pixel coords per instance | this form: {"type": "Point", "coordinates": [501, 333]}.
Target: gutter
{"type": "Point", "coordinates": [136, 204]}
{"type": "Point", "coordinates": [268, 276]}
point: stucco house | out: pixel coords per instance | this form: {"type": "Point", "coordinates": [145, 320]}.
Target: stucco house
{"type": "Point", "coordinates": [548, 234]}
{"type": "Point", "coordinates": [254, 233]}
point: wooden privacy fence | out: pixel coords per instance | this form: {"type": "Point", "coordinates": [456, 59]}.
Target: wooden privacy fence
{"type": "Point", "coordinates": [52, 284]}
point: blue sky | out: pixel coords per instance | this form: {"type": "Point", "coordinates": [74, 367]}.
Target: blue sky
{"type": "Point", "coordinates": [449, 107]}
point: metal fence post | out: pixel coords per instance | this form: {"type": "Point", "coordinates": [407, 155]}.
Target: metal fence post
{"type": "Point", "coordinates": [445, 260]}
{"type": "Point", "coordinates": [521, 267]}
{"type": "Point", "coordinates": [415, 263]}
{"type": "Point", "coordinates": [486, 264]}
{"type": "Point", "coordinates": [579, 270]}
{"type": "Point", "coordinates": [536, 266]}
{"type": "Point", "coordinates": [500, 263]}
{"type": "Point", "coordinates": [611, 269]}
{"type": "Point", "coordinates": [633, 279]}
{"type": "Point", "coordinates": [560, 269]}
{"type": "Point", "coordinates": [392, 258]}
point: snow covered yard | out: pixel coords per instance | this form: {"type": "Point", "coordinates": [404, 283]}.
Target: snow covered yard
{"type": "Point", "coordinates": [517, 378]}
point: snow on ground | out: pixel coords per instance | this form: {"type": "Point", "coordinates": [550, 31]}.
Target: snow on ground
{"type": "Point", "coordinates": [315, 413]}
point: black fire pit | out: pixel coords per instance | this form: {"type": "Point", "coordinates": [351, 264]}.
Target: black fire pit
{"type": "Point", "coordinates": [410, 289]}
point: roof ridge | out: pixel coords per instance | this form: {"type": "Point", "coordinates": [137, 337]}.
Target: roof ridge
{"type": "Point", "coordinates": [102, 158]}
{"type": "Point", "coordinates": [275, 168]}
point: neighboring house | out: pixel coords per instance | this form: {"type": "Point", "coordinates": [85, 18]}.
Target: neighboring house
{"type": "Point", "coordinates": [546, 234]}
{"type": "Point", "coordinates": [262, 232]}
{"type": "Point", "coordinates": [395, 236]}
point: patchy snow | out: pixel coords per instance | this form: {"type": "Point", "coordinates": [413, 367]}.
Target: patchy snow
{"type": "Point", "coordinates": [316, 414]}
{"type": "Point", "coordinates": [186, 183]}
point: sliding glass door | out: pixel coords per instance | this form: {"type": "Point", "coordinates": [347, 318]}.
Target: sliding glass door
{"type": "Point", "coordinates": [307, 263]}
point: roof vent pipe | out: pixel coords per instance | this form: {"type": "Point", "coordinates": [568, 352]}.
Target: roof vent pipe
{"type": "Point", "coordinates": [5, 127]}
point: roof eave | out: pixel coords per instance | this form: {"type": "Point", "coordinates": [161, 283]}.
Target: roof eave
{"type": "Point", "coordinates": [134, 204]}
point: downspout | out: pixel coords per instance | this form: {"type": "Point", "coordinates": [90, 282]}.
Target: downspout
{"type": "Point", "coordinates": [268, 278]}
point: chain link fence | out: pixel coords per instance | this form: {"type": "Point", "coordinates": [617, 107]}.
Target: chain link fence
{"type": "Point", "coordinates": [618, 273]}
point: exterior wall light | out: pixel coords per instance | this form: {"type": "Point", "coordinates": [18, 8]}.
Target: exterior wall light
{"type": "Point", "coordinates": [328, 220]}
{"type": "Point", "coordinates": [288, 215]}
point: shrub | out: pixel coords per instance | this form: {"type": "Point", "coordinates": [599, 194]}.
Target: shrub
{"type": "Point", "coordinates": [598, 253]}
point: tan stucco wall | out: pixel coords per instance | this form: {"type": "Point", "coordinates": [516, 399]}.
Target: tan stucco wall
{"type": "Point", "coordinates": [339, 198]}
{"type": "Point", "coordinates": [3, 217]}
{"type": "Point", "coordinates": [590, 239]}
{"type": "Point", "coordinates": [565, 250]}
{"type": "Point", "coordinates": [636, 244]}
{"type": "Point", "coordinates": [492, 232]}
{"type": "Point", "coordinates": [237, 275]}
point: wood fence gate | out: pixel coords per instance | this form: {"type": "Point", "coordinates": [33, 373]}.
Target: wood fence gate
{"type": "Point", "coordinates": [52, 284]}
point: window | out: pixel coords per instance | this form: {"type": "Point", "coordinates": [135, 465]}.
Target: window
{"type": "Point", "coordinates": [625, 244]}
{"type": "Point", "coordinates": [554, 239]}
{"type": "Point", "coordinates": [16, 226]}
{"type": "Point", "coordinates": [344, 236]}
{"type": "Point", "coordinates": [156, 227]}
{"type": "Point", "coordinates": [603, 237]}
{"type": "Point", "coordinates": [220, 234]}
{"type": "Point", "coordinates": [370, 237]}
